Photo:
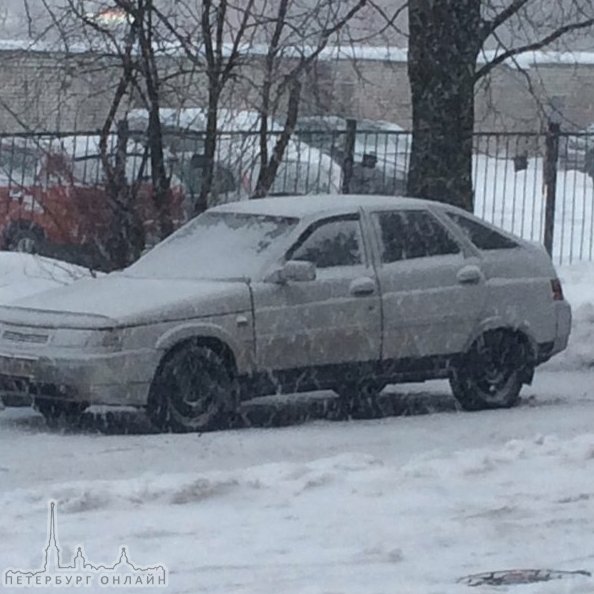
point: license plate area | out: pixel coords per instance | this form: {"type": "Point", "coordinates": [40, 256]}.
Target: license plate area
{"type": "Point", "coordinates": [18, 367]}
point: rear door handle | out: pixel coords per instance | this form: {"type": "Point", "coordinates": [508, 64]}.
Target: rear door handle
{"type": "Point", "coordinates": [362, 287]}
{"type": "Point", "coordinates": [469, 275]}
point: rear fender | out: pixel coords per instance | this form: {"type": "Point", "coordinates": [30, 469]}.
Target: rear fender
{"type": "Point", "coordinates": [498, 323]}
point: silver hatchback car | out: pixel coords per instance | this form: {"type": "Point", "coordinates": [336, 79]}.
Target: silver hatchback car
{"type": "Point", "coordinates": [291, 294]}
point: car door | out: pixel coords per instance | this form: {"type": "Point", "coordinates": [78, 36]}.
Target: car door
{"type": "Point", "coordinates": [333, 319]}
{"type": "Point", "coordinates": [432, 292]}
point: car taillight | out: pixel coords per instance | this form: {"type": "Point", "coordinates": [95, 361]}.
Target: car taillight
{"type": "Point", "coordinates": [557, 289]}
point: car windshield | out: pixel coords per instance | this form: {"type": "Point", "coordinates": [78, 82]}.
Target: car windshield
{"type": "Point", "coordinates": [221, 245]}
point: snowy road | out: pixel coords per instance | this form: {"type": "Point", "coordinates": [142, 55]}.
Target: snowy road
{"type": "Point", "coordinates": [403, 504]}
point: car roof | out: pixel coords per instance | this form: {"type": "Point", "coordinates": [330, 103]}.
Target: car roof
{"type": "Point", "coordinates": [328, 204]}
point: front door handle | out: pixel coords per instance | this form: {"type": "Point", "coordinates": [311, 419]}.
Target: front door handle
{"type": "Point", "coordinates": [469, 275]}
{"type": "Point", "coordinates": [362, 287]}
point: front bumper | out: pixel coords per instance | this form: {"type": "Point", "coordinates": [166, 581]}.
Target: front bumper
{"type": "Point", "coordinates": [121, 378]}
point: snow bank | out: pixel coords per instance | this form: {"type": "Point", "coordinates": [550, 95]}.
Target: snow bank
{"type": "Point", "coordinates": [578, 286]}
{"type": "Point", "coordinates": [349, 523]}
{"type": "Point", "coordinates": [25, 274]}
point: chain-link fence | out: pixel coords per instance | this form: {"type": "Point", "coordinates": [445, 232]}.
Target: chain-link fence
{"type": "Point", "coordinates": [538, 186]}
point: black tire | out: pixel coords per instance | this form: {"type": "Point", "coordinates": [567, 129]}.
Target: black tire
{"type": "Point", "coordinates": [59, 413]}
{"type": "Point", "coordinates": [360, 399]}
{"type": "Point", "coordinates": [25, 237]}
{"type": "Point", "coordinates": [193, 390]}
{"type": "Point", "coordinates": [491, 374]}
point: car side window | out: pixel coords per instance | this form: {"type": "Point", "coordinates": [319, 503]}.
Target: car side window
{"type": "Point", "coordinates": [406, 235]}
{"type": "Point", "coordinates": [330, 243]}
{"type": "Point", "coordinates": [482, 237]}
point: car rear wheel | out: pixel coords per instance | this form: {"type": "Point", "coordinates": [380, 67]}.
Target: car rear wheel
{"type": "Point", "coordinates": [24, 237]}
{"type": "Point", "coordinates": [57, 413]}
{"type": "Point", "coordinates": [193, 390]}
{"type": "Point", "coordinates": [491, 374]}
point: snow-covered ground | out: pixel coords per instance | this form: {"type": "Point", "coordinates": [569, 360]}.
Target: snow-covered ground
{"type": "Point", "coordinates": [402, 504]}
{"type": "Point", "coordinates": [515, 201]}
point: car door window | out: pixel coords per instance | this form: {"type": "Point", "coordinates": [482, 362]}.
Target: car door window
{"type": "Point", "coordinates": [406, 235]}
{"type": "Point", "coordinates": [330, 243]}
{"type": "Point", "coordinates": [482, 237]}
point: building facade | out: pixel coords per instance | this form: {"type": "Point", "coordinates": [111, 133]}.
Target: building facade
{"type": "Point", "coordinates": [58, 91]}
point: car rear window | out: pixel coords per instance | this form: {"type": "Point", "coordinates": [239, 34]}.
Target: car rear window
{"type": "Point", "coordinates": [481, 236]}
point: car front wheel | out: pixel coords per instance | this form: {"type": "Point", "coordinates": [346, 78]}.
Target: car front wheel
{"type": "Point", "coordinates": [491, 374]}
{"type": "Point", "coordinates": [193, 390]}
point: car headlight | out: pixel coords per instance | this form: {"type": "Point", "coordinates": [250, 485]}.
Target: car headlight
{"type": "Point", "coordinates": [109, 340]}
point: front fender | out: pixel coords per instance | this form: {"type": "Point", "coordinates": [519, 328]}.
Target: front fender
{"type": "Point", "coordinates": [242, 349]}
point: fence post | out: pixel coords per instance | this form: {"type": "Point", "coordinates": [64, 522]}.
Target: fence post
{"type": "Point", "coordinates": [349, 155]}
{"type": "Point", "coordinates": [550, 183]}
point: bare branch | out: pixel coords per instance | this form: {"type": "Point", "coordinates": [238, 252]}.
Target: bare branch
{"type": "Point", "coordinates": [535, 46]}
{"type": "Point", "coordinates": [489, 27]}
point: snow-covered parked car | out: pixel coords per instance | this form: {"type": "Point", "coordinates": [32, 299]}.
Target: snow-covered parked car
{"type": "Point", "coordinates": [303, 170]}
{"type": "Point", "coordinates": [576, 150]}
{"type": "Point", "coordinates": [381, 151]}
{"type": "Point", "coordinates": [292, 294]}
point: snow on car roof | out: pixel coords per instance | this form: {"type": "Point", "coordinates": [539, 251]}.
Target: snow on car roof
{"type": "Point", "coordinates": [302, 206]}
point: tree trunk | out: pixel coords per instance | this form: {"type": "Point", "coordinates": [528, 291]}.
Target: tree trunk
{"type": "Point", "coordinates": [210, 146]}
{"type": "Point", "coordinates": [268, 171]}
{"type": "Point", "coordinates": [444, 44]}
{"type": "Point", "coordinates": [160, 179]}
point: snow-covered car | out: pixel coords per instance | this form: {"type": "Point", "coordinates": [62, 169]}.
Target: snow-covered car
{"type": "Point", "coordinates": [54, 198]}
{"type": "Point", "coordinates": [292, 294]}
{"type": "Point", "coordinates": [303, 170]}
{"type": "Point", "coordinates": [576, 151]}
{"type": "Point", "coordinates": [381, 151]}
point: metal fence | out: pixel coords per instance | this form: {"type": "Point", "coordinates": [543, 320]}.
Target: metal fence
{"type": "Point", "coordinates": [538, 186]}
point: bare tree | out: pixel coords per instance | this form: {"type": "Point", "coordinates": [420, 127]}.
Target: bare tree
{"type": "Point", "coordinates": [124, 31]}
{"type": "Point", "coordinates": [329, 19]}
{"type": "Point", "coordinates": [288, 38]}
{"type": "Point", "coordinates": [211, 38]}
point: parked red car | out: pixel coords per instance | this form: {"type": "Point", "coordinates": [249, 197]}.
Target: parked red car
{"type": "Point", "coordinates": [54, 200]}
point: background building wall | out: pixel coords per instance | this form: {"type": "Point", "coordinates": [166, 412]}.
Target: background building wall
{"type": "Point", "coordinates": [56, 91]}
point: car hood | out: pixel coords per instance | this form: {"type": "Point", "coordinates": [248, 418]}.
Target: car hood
{"type": "Point", "coordinates": [118, 300]}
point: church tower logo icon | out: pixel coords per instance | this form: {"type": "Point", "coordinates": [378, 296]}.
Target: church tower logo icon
{"type": "Point", "coordinates": [80, 572]}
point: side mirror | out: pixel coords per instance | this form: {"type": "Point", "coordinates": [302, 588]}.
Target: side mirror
{"type": "Point", "coordinates": [295, 271]}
